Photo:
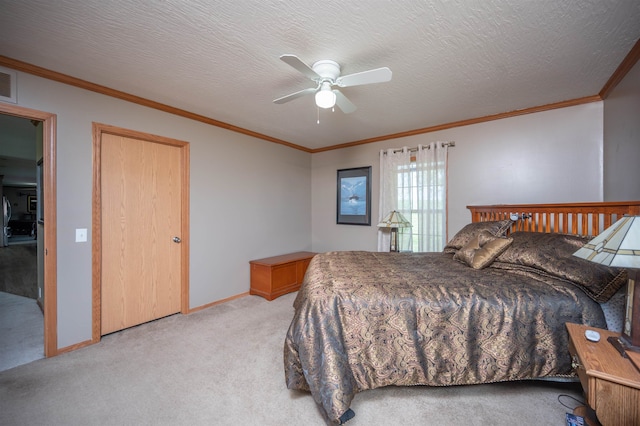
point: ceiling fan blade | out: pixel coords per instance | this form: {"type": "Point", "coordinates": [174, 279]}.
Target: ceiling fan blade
{"type": "Point", "coordinates": [378, 75]}
{"type": "Point", "coordinates": [296, 63]}
{"type": "Point", "coordinates": [343, 102]}
{"type": "Point", "coordinates": [295, 95]}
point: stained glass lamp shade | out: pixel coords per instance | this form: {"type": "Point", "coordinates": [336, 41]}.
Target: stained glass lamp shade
{"type": "Point", "coordinates": [619, 247]}
{"type": "Point", "coordinates": [394, 220]}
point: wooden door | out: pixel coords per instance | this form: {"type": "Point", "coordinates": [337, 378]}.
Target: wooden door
{"type": "Point", "coordinates": [140, 227]}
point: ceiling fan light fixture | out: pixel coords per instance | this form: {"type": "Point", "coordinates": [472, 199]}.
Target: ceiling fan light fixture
{"type": "Point", "coordinates": [325, 98]}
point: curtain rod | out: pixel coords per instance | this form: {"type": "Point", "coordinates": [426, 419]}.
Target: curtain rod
{"type": "Point", "coordinates": [450, 144]}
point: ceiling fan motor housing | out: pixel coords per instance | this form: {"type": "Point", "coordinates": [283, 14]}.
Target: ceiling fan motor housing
{"type": "Point", "coordinates": [327, 69]}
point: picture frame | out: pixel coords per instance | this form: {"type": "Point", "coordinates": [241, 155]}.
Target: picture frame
{"type": "Point", "coordinates": [32, 204]}
{"type": "Point", "coordinates": [353, 204]}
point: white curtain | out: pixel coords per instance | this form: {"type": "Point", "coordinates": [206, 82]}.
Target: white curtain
{"type": "Point", "coordinates": [391, 161]}
{"type": "Point", "coordinates": [417, 189]}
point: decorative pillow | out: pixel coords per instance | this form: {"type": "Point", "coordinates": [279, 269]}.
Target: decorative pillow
{"type": "Point", "coordinates": [552, 255]}
{"type": "Point", "coordinates": [496, 228]}
{"type": "Point", "coordinates": [482, 249]}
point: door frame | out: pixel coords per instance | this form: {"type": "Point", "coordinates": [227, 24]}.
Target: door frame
{"type": "Point", "coordinates": [50, 308]}
{"type": "Point", "coordinates": [96, 227]}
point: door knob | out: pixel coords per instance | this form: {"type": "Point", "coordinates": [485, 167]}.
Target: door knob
{"type": "Point", "coordinates": [177, 240]}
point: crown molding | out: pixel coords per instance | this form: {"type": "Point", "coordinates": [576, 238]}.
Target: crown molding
{"type": "Point", "coordinates": [629, 61]}
{"type": "Point", "coordinates": [83, 84]}
{"type": "Point", "coordinates": [467, 122]}
{"type": "Point", "coordinates": [625, 66]}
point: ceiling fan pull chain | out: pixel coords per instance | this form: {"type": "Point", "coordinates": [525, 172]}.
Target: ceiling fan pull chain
{"type": "Point", "coordinates": [318, 112]}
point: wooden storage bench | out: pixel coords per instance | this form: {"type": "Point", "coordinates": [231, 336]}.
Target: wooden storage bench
{"type": "Point", "coordinates": [272, 277]}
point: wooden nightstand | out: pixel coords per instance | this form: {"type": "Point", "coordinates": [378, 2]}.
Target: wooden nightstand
{"type": "Point", "coordinates": [272, 277]}
{"type": "Point", "coordinates": [610, 382]}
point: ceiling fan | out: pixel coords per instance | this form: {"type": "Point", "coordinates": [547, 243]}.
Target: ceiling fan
{"type": "Point", "coordinates": [326, 74]}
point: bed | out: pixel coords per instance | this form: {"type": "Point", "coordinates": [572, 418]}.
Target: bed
{"type": "Point", "coordinates": [491, 307]}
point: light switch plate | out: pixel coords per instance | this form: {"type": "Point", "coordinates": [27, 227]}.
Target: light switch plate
{"type": "Point", "coordinates": [81, 235]}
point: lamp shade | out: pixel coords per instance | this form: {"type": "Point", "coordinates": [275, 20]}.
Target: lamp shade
{"type": "Point", "coordinates": [617, 246]}
{"type": "Point", "coordinates": [325, 98]}
{"type": "Point", "coordinates": [394, 219]}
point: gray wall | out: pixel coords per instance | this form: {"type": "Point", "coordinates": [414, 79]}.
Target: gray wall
{"type": "Point", "coordinates": [622, 139]}
{"type": "Point", "coordinates": [249, 198]}
{"type": "Point", "coordinates": [546, 157]}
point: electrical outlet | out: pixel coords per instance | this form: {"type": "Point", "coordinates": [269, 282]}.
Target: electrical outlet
{"type": "Point", "coordinates": [81, 235]}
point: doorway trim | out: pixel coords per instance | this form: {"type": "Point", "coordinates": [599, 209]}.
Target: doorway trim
{"type": "Point", "coordinates": [96, 227]}
{"type": "Point", "coordinates": [50, 216]}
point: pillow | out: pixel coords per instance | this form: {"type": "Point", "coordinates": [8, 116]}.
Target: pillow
{"type": "Point", "coordinates": [482, 249]}
{"type": "Point", "coordinates": [496, 228]}
{"type": "Point", "coordinates": [552, 255]}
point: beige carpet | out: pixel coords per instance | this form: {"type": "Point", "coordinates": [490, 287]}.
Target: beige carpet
{"type": "Point", "coordinates": [21, 331]}
{"type": "Point", "coordinates": [18, 269]}
{"type": "Point", "coordinates": [223, 366]}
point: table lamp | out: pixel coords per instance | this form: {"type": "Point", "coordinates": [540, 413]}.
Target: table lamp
{"type": "Point", "coordinates": [618, 246]}
{"type": "Point", "coordinates": [394, 220]}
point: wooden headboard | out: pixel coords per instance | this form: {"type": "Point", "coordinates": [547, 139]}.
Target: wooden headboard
{"type": "Point", "coordinates": [565, 218]}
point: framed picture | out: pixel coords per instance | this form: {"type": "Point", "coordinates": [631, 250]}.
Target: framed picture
{"type": "Point", "coordinates": [32, 203]}
{"type": "Point", "coordinates": [354, 196]}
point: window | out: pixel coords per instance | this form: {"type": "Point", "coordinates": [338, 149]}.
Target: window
{"type": "Point", "coordinates": [418, 191]}
{"type": "Point", "coordinates": [422, 193]}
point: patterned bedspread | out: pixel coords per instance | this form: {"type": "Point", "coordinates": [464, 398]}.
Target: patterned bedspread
{"type": "Point", "coordinates": [364, 320]}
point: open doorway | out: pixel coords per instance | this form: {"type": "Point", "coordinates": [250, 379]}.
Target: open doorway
{"type": "Point", "coordinates": [21, 304]}
{"type": "Point", "coordinates": [38, 209]}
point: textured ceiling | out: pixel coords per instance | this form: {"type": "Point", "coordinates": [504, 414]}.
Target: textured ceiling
{"type": "Point", "coordinates": [451, 60]}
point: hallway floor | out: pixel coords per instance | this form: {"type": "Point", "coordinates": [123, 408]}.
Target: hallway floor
{"type": "Point", "coordinates": [19, 268]}
{"type": "Point", "coordinates": [21, 331]}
